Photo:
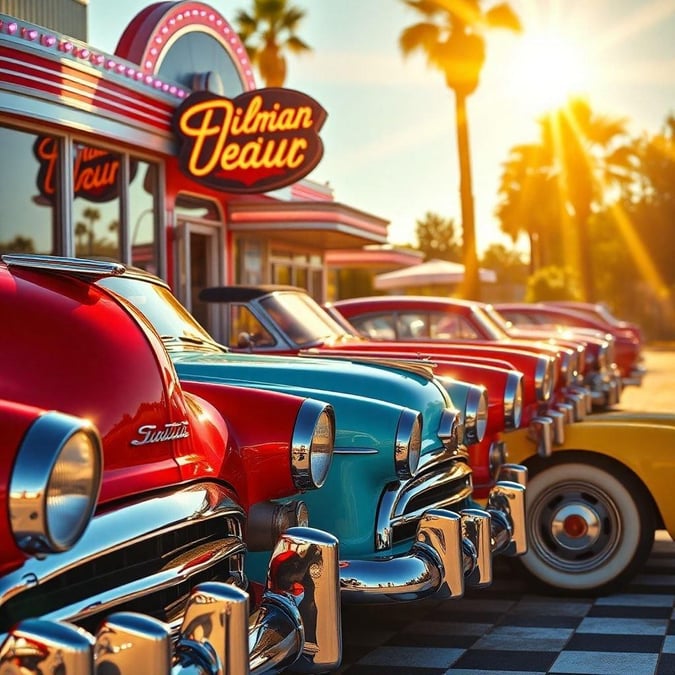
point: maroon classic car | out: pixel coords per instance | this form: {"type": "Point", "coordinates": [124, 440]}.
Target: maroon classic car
{"type": "Point", "coordinates": [628, 345]}
{"type": "Point", "coordinates": [130, 498]}
{"type": "Point", "coordinates": [455, 321]}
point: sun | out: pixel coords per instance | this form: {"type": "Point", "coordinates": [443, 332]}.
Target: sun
{"type": "Point", "coordinates": [547, 69]}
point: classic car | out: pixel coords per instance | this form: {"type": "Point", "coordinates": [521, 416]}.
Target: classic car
{"type": "Point", "coordinates": [452, 320]}
{"type": "Point", "coordinates": [628, 347]}
{"type": "Point", "coordinates": [397, 463]}
{"type": "Point", "coordinates": [600, 563]}
{"type": "Point", "coordinates": [601, 312]}
{"type": "Point", "coordinates": [129, 495]}
{"type": "Point", "coordinates": [287, 320]}
{"type": "Point", "coordinates": [595, 503]}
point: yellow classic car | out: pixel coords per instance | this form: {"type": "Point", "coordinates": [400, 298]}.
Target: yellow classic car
{"type": "Point", "coordinates": [594, 504]}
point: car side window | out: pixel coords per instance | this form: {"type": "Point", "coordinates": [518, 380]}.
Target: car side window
{"type": "Point", "coordinates": [380, 327]}
{"type": "Point", "coordinates": [447, 326]}
{"type": "Point", "coordinates": [243, 322]}
{"type": "Point", "coordinates": [412, 325]}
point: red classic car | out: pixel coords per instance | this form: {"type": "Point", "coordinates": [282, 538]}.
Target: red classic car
{"type": "Point", "coordinates": [286, 320]}
{"type": "Point", "coordinates": [628, 347]}
{"type": "Point", "coordinates": [600, 312]}
{"type": "Point", "coordinates": [129, 497]}
{"type": "Point", "coordinates": [455, 321]}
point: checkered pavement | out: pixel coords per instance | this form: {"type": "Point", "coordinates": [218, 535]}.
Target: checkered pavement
{"type": "Point", "coordinates": [505, 629]}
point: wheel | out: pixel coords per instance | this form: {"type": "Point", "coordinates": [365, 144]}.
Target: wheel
{"type": "Point", "coordinates": [590, 526]}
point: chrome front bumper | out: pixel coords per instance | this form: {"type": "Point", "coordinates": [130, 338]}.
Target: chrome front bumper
{"type": "Point", "coordinates": [451, 549]}
{"type": "Point", "coordinates": [198, 531]}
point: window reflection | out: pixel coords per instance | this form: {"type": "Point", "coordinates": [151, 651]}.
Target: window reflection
{"type": "Point", "coordinates": [96, 203]}
{"type": "Point", "coordinates": [28, 193]}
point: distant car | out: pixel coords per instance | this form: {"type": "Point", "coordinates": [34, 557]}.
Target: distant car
{"type": "Point", "coordinates": [455, 321]}
{"type": "Point", "coordinates": [601, 312]}
{"type": "Point", "coordinates": [130, 498]}
{"type": "Point", "coordinates": [399, 475]}
{"type": "Point", "coordinates": [593, 541]}
{"type": "Point", "coordinates": [628, 347]}
{"type": "Point", "coordinates": [273, 319]}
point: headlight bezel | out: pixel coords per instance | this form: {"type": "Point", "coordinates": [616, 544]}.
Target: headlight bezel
{"type": "Point", "coordinates": [310, 465]}
{"type": "Point", "coordinates": [544, 378]}
{"type": "Point", "coordinates": [53, 440]}
{"type": "Point", "coordinates": [475, 414]}
{"type": "Point", "coordinates": [408, 443]}
{"type": "Point", "coordinates": [513, 399]}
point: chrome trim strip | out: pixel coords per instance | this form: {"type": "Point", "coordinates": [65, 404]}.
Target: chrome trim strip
{"type": "Point", "coordinates": [96, 268]}
{"type": "Point", "coordinates": [513, 391]}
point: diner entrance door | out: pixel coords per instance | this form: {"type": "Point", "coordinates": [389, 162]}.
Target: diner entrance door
{"type": "Point", "coordinates": [199, 266]}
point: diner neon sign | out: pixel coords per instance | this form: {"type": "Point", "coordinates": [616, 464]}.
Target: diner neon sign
{"type": "Point", "coordinates": [261, 140]}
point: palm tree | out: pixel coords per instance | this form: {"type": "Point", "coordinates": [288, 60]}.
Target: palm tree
{"type": "Point", "coordinates": [451, 36]}
{"type": "Point", "coordinates": [267, 32]}
{"type": "Point", "coordinates": [581, 159]}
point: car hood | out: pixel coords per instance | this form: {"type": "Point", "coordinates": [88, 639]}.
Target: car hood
{"type": "Point", "coordinates": [331, 380]}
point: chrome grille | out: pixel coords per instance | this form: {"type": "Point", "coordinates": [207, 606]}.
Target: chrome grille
{"type": "Point", "coordinates": [445, 485]}
{"type": "Point", "coordinates": [144, 557]}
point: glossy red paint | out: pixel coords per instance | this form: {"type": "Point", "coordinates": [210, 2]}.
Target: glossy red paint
{"type": "Point", "coordinates": [71, 346]}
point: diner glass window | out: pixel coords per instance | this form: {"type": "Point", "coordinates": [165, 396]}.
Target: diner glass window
{"type": "Point", "coordinates": [143, 214]}
{"type": "Point", "coordinates": [97, 181]}
{"type": "Point", "coordinates": [29, 192]}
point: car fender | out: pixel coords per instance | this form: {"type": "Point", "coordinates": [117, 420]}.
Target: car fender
{"type": "Point", "coordinates": [642, 442]}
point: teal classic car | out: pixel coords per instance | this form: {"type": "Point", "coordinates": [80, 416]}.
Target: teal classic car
{"type": "Point", "coordinates": [399, 492]}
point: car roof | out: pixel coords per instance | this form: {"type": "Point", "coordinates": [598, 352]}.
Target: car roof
{"type": "Point", "coordinates": [240, 293]}
{"type": "Point", "coordinates": [424, 300]}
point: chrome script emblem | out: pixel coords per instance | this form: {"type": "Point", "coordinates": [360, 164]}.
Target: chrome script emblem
{"type": "Point", "coordinates": [171, 431]}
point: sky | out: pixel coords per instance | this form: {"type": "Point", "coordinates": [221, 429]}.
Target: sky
{"type": "Point", "coordinates": [389, 139]}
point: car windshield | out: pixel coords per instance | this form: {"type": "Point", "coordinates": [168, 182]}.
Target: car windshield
{"type": "Point", "coordinates": [500, 327]}
{"type": "Point", "coordinates": [490, 326]}
{"type": "Point", "coordinates": [301, 318]}
{"type": "Point", "coordinates": [170, 319]}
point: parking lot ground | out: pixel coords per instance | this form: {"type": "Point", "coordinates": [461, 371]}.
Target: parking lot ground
{"type": "Point", "coordinates": [506, 629]}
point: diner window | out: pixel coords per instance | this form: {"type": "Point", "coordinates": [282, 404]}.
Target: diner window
{"type": "Point", "coordinates": [97, 181]}
{"type": "Point", "coordinates": [143, 214]}
{"type": "Point", "coordinates": [29, 192]}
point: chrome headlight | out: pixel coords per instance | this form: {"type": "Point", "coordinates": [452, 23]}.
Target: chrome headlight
{"type": "Point", "coordinates": [312, 444]}
{"type": "Point", "coordinates": [55, 483]}
{"type": "Point", "coordinates": [566, 369]}
{"type": "Point", "coordinates": [513, 399]}
{"type": "Point", "coordinates": [449, 428]}
{"type": "Point", "coordinates": [408, 444]}
{"type": "Point", "coordinates": [581, 359]}
{"type": "Point", "coordinates": [611, 351]}
{"type": "Point", "coordinates": [475, 415]}
{"type": "Point", "coordinates": [544, 379]}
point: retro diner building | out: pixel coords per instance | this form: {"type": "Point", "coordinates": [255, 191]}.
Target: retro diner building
{"type": "Point", "coordinates": [165, 155]}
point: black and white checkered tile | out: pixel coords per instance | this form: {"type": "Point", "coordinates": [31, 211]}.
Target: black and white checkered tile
{"type": "Point", "coordinates": [505, 629]}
